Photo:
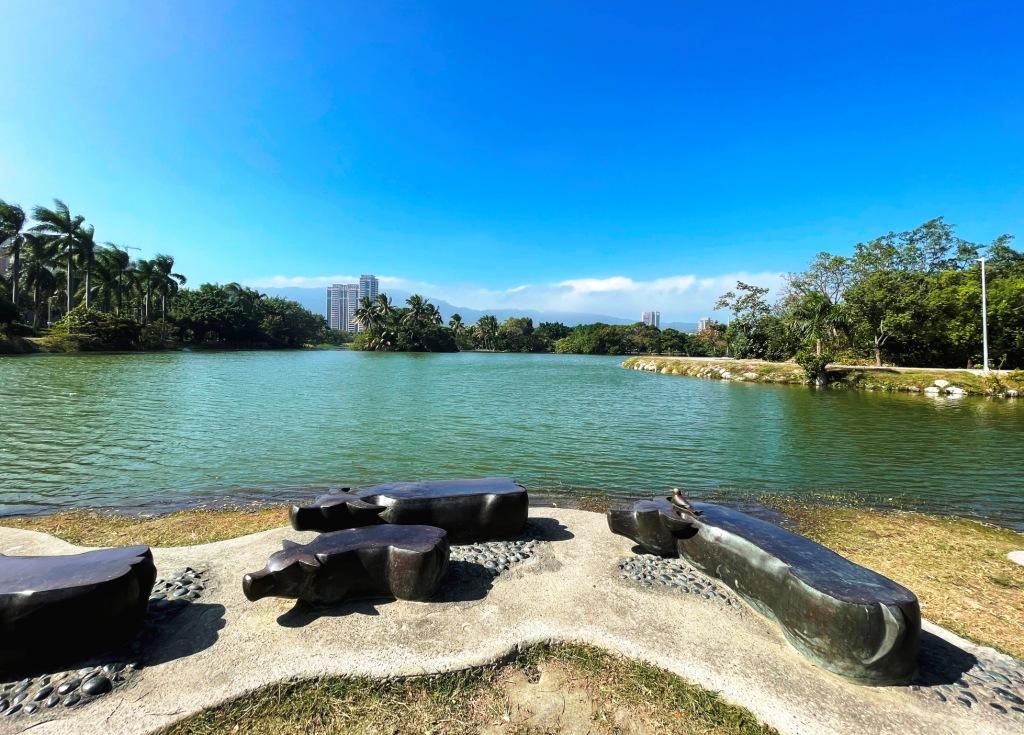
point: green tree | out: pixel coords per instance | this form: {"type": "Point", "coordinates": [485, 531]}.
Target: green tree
{"type": "Point", "coordinates": [12, 241]}
{"type": "Point", "coordinates": [38, 277]}
{"type": "Point", "coordinates": [487, 331]}
{"type": "Point", "coordinates": [65, 232]}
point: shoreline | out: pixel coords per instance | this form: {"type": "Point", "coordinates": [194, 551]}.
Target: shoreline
{"type": "Point", "coordinates": [950, 383]}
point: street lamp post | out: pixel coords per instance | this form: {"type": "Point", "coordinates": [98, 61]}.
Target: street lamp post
{"type": "Point", "coordinates": [984, 318]}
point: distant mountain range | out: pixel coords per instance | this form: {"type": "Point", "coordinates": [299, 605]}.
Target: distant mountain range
{"type": "Point", "coordinates": [315, 299]}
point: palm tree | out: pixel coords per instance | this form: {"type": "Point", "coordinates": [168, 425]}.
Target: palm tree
{"type": "Point", "coordinates": [367, 316]}
{"type": "Point", "coordinates": [816, 317]}
{"type": "Point", "coordinates": [86, 258]}
{"type": "Point", "coordinates": [456, 325]}
{"type": "Point", "coordinates": [146, 280]}
{"type": "Point", "coordinates": [487, 327]}
{"type": "Point", "coordinates": [12, 240]}
{"type": "Point", "coordinates": [110, 267]}
{"type": "Point", "coordinates": [65, 232]}
{"type": "Point", "coordinates": [417, 310]}
{"type": "Point", "coordinates": [168, 282]}
{"type": "Point", "coordinates": [39, 278]}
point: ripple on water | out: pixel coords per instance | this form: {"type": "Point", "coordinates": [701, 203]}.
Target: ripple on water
{"type": "Point", "coordinates": [131, 429]}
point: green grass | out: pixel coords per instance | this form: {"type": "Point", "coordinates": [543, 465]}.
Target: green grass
{"type": "Point", "coordinates": [603, 689]}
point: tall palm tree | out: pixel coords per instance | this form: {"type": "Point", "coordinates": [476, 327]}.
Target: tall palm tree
{"type": "Point", "coordinates": [110, 269]}
{"type": "Point", "coordinates": [39, 278]}
{"type": "Point", "coordinates": [457, 326]}
{"type": "Point", "coordinates": [417, 311]}
{"type": "Point", "coordinates": [65, 232]}
{"type": "Point", "coordinates": [366, 315]}
{"type": "Point", "coordinates": [385, 309]}
{"type": "Point", "coordinates": [146, 279]}
{"type": "Point", "coordinates": [168, 282]}
{"type": "Point", "coordinates": [86, 257]}
{"type": "Point", "coordinates": [12, 240]}
{"type": "Point", "coordinates": [487, 328]}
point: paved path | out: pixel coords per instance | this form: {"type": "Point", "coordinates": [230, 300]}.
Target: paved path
{"type": "Point", "coordinates": [570, 590]}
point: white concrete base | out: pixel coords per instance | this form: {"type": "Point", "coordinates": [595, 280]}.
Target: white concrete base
{"type": "Point", "coordinates": [569, 592]}
{"type": "Point", "coordinates": [1017, 557]}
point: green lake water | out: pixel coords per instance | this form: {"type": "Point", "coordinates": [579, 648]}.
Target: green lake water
{"type": "Point", "coordinates": [168, 429]}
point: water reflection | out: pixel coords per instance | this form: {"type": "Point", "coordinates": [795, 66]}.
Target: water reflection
{"type": "Point", "coordinates": [130, 430]}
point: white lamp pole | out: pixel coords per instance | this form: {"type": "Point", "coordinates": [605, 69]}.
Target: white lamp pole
{"type": "Point", "coordinates": [984, 317]}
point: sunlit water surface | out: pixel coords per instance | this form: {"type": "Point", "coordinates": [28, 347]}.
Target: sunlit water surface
{"type": "Point", "coordinates": [159, 430]}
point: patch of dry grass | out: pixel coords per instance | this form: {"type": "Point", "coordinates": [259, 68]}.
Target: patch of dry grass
{"type": "Point", "coordinates": [594, 692]}
{"type": "Point", "coordinates": [184, 528]}
{"type": "Point", "coordinates": [957, 567]}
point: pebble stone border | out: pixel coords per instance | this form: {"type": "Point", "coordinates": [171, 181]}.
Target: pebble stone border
{"type": "Point", "coordinates": [495, 556]}
{"type": "Point", "coordinates": [989, 685]}
{"type": "Point", "coordinates": [649, 570]}
{"type": "Point", "coordinates": [77, 687]}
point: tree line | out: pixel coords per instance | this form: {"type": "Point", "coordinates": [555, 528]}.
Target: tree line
{"type": "Point", "coordinates": [908, 298]}
{"type": "Point", "coordinates": [904, 298]}
{"type": "Point", "coordinates": [84, 294]}
{"type": "Point", "coordinates": [419, 327]}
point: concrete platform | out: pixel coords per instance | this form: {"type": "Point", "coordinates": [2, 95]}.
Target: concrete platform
{"type": "Point", "coordinates": [570, 590]}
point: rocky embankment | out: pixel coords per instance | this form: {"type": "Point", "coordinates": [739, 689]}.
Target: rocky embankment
{"type": "Point", "coordinates": [935, 383]}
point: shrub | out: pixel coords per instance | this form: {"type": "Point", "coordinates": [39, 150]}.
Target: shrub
{"type": "Point", "coordinates": [816, 366]}
{"type": "Point", "coordinates": [8, 312]}
{"type": "Point", "coordinates": [88, 329]}
{"type": "Point", "coordinates": [158, 335]}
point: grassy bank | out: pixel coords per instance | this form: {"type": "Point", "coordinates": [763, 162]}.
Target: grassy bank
{"type": "Point", "coordinates": [184, 528]}
{"type": "Point", "coordinates": [957, 567]}
{"type": "Point", "coordinates": [561, 688]}
{"type": "Point", "coordinates": [858, 377]}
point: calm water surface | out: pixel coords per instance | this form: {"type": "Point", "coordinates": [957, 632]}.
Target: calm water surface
{"type": "Point", "coordinates": [178, 428]}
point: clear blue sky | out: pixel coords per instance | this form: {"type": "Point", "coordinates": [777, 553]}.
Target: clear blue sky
{"type": "Point", "coordinates": [472, 148]}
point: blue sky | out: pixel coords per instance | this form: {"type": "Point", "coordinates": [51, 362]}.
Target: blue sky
{"type": "Point", "coordinates": [586, 156]}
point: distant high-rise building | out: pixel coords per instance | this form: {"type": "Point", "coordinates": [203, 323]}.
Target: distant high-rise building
{"type": "Point", "coordinates": [368, 286]}
{"type": "Point", "coordinates": [705, 323]}
{"type": "Point", "coordinates": [343, 300]}
{"type": "Point", "coordinates": [651, 318]}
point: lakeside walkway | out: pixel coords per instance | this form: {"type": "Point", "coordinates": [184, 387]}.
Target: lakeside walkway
{"type": "Point", "coordinates": [574, 586]}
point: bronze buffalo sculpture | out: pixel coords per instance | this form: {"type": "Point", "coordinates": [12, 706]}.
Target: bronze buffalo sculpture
{"type": "Point", "coordinates": [403, 562]}
{"type": "Point", "coordinates": [56, 609]}
{"type": "Point", "coordinates": [471, 511]}
{"type": "Point", "coordinates": [847, 619]}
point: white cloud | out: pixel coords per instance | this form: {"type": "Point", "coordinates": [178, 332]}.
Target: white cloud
{"type": "Point", "coordinates": [683, 297]}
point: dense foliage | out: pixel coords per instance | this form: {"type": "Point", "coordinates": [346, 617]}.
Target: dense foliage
{"type": "Point", "coordinates": [908, 298]}
{"type": "Point", "coordinates": [235, 315]}
{"type": "Point", "coordinates": [96, 297]}
{"type": "Point", "coordinates": [418, 327]}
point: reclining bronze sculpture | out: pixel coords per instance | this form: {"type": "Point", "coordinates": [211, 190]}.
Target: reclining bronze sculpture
{"type": "Point", "coordinates": [471, 511]}
{"type": "Point", "coordinates": [60, 608]}
{"type": "Point", "coordinates": [404, 562]}
{"type": "Point", "coordinates": [847, 619]}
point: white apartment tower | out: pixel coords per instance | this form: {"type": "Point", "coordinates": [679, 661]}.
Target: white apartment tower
{"type": "Point", "coordinates": [369, 286]}
{"type": "Point", "coordinates": [343, 300]}
{"type": "Point", "coordinates": [651, 318]}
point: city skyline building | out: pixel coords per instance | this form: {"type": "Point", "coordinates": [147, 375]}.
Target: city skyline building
{"type": "Point", "coordinates": [343, 300]}
{"type": "Point", "coordinates": [705, 323]}
{"type": "Point", "coordinates": [369, 286]}
{"type": "Point", "coordinates": [651, 318]}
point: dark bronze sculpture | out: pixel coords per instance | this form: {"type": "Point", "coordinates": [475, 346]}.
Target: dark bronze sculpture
{"type": "Point", "coordinates": [404, 562]}
{"type": "Point", "coordinates": [848, 619]}
{"type": "Point", "coordinates": [470, 511]}
{"type": "Point", "coordinates": [60, 608]}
